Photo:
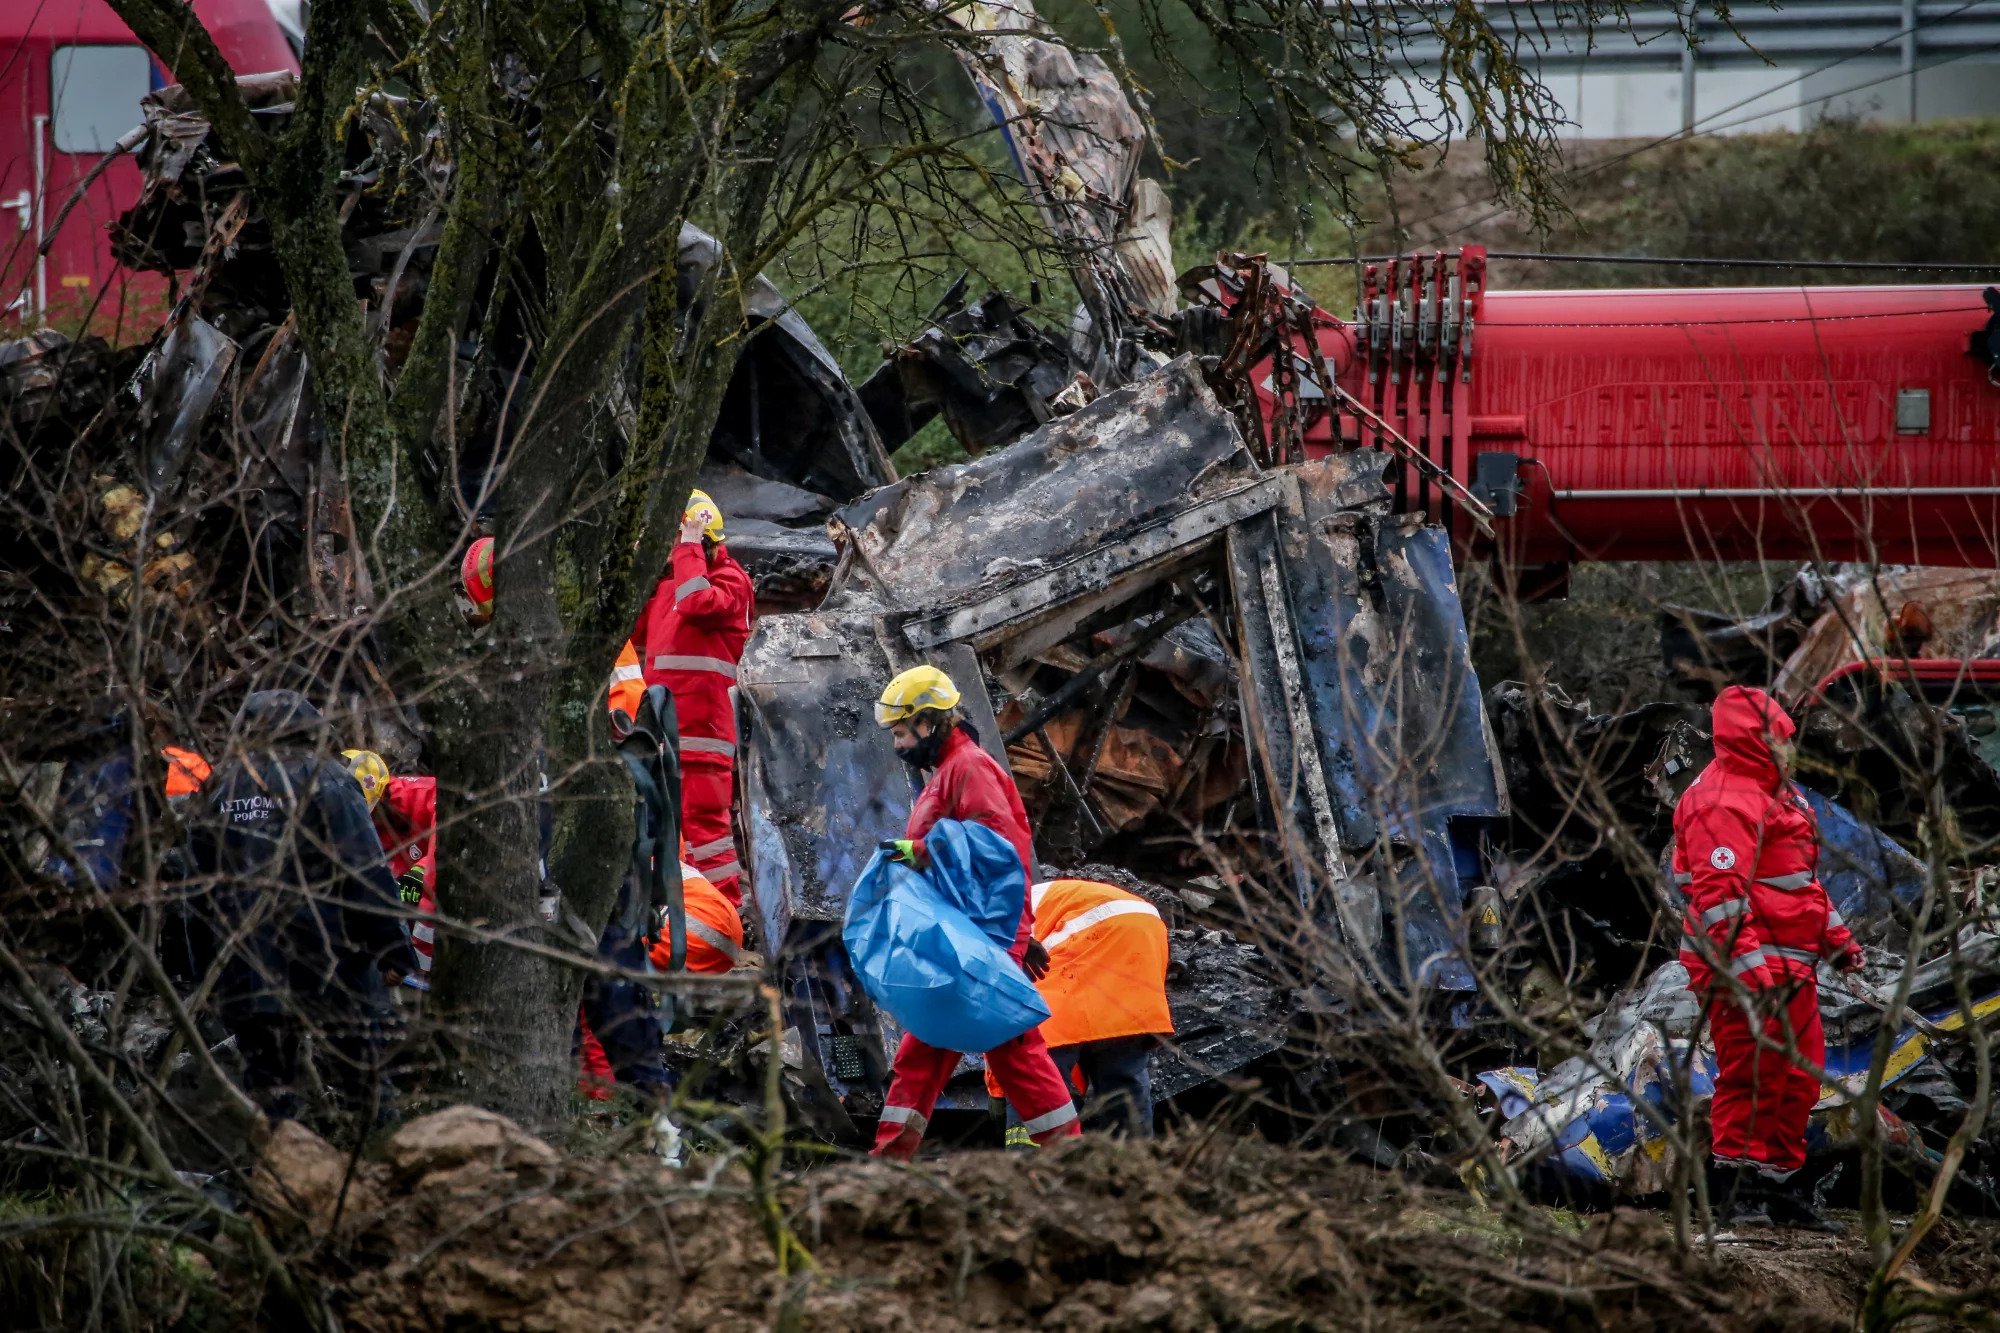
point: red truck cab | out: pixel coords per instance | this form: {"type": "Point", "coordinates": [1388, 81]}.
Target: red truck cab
{"type": "Point", "coordinates": [71, 76]}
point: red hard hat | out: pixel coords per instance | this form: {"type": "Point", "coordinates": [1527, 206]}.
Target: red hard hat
{"type": "Point", "coordinates": [477, 572]}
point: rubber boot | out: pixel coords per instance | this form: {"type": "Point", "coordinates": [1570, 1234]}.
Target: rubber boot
{"type": "Point", "coordinates": [1737, 1196]}
{"type": "Point", "coordinates": [1793, 1203]}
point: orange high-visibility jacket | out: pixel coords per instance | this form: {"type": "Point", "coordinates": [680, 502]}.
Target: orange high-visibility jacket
{"type": "Point", "coordinates": [1107, 962]}
{"type": "Point", "coordinates": [628, 682]}
{"type": "Point", "coordinates": [715, 929]}
{"type": "Point", "coordinates": [186, 771]}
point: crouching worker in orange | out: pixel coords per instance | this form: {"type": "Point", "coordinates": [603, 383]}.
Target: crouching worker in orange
{"type": "Point", "coordinates": [714, 927]}
{"type": "Point", "coordinates": [963, 782]}
{"type": "Point", "coordinates": [1106, 988]}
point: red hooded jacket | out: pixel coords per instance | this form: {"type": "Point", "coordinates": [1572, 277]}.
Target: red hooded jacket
{"type": "Point", "coordinates": [690, 638]}
{"type": "Point", "coordinates": [1746, 850]}
{"type": "Point", "coordinates": [969, 784]}
{"type": "Point", "coordinates": [406, 821]}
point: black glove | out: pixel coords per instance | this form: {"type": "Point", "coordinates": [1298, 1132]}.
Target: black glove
{"type": "Point", "coordinates": [1035, 961]}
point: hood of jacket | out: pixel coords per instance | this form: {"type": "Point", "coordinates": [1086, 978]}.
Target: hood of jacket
{"type": "Point", "coordinates": [1746, 722]}
{"type": "Point", "coordinates": [279, 715]}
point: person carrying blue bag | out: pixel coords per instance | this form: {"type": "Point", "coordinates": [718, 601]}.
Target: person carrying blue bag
{"type": "Point", "coordinates": [939, 926]}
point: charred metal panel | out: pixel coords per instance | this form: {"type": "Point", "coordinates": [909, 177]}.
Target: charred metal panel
{"type": "Point", "coordinates": [789, 412]}
{"type": "Point", "coordinates": [1131, 458]}
{"type": "Point", "coordinates": [821, 782]}
{"type": "Point", "coordinates": [987, 368]}
{"type": "Point", "coordinates": [1117, 569]}
{"type": "Point", "coordinates": [1366, 717]}
{"type": "Point", "coordinates": [1435, 699]}
{"type": "Point", "coordinates": [821, 785]}
{"type": "Point", "coordinates": [1276, 717]}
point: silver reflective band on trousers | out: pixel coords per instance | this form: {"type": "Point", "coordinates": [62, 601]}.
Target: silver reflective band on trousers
{"type": "Point", "coordinates": [706, 745]}
{"type": "Point", "coordinates": [1789, 883]}
{"type": "Point", "coordinates": [904, 1115]}
{"type": "Point", "coordinates": [716, 848]}
{"type": "Point", "coordinates": [1041, 1124]}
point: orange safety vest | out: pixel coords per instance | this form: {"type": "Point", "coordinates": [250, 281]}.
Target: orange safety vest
{"type": "Point", "coordinates": [186, 771]}
{"type": "Point", "coordinates": [715, 929]}
{"type": "Point", "coordinates": [628, 682]}
{"type": "Point", "coordinates": [1107, 965]}
{"type": "Point", "coordinates": [1107, 962]}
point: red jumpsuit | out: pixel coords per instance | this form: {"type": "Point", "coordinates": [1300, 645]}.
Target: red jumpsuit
{"type": "Point", "coordinates": [1746, 848]}
{"type": "Point", "coordinates": [406, 821]}
{"type": "Point", "coordinates": [689, 639]}
{"type": "Point", "coordinates": [969, 784]}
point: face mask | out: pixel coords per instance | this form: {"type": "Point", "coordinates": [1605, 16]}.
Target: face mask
{"type": "Point", "coordinates": [927, 751]}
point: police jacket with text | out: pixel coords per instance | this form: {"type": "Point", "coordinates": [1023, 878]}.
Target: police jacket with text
{"type": "Point", "coordinates": [297, 863]}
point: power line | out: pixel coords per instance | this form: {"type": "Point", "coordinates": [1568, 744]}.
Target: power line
{"type": "Point", "coordinates": [1607, 163]}
{"type": "Point", "coordinates": [1682, 135]}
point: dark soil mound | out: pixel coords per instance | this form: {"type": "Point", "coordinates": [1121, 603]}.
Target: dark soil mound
{"type": "Point", "coordinates": [470, 1223]}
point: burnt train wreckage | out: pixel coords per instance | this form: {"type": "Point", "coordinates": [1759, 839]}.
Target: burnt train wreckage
{"type": "Point", "coordinates": [1217, 605]}
{"type": "Point", "coordinates": [1210, 595]}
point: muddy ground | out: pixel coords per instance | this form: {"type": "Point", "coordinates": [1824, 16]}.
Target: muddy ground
{"type": "Point", "coordinates": [467, 1222]}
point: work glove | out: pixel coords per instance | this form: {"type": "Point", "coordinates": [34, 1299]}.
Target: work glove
{"type": "Point", "coordinates": [411, 885]}
{"type": "Point", "coordinates": [1035, 962]}
{"type": "Point", "coordinates": [910, 851]}
{"type": "Point", "coordinates": [1850, 958]}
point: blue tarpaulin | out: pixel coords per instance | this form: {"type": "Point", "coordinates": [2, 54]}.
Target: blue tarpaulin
{"type": "Point", "coordinates": [930, 946]}
{"type": "Point", "coordinates": [1864, 872]}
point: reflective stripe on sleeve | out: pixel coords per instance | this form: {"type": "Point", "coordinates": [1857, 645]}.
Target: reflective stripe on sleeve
{"type": "Point", "coordinates": [715, 939]}
{"type": "Point", "coordinates": [699, 583]}
{"type": "Point", "coordinates": [1722, 911]}
{"type": "Point", "coordinates": [1833, 918]}
{"type": "Point", "coordinates": [1681, 879]}
{"type": "Point", "coordinates": [677, 662]}
{"type": "Point", "coordinates": [1095, 916]}
{"type": "Point", "coordinates": [1042, 1124]}
{"type": "Point", "coordinates": [423, 932]}
{"type": "Point", "coordinates": [707, 745]}
{"type": "Point", "coordinates": [1745, 962]}
{"type": "Point", "coordinates": [1789, 883]}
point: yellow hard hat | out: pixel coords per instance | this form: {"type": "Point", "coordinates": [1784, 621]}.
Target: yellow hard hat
{"type": "Point", "coordinates": [919, 689]}
{"type": "Point", "coordinates": [699, 505]}
{"type": "Point", "coordinates": [368, 770]}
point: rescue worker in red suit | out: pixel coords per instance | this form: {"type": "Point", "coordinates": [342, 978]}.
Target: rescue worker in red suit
{"type": "Point", "coordinates": [1746, 851]}
{"type": "Point", "coordinates": [405, 813]}
{"type": "Point", "coordinates": [689, 639]}
{"type": "Point", "coordinates": [920, 709]}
